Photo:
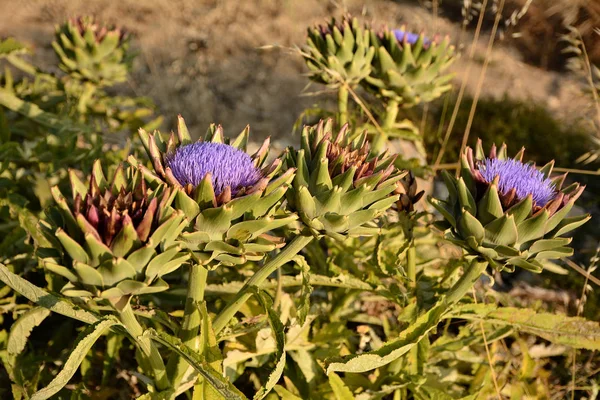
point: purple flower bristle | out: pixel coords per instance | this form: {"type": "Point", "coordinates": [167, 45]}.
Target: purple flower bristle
{"type": "Point", "coordinates": [524, 178]}
{"type": "Point", "coordinates": [228, 166]}
{"type": "Point", "coordinates": [411, 38]}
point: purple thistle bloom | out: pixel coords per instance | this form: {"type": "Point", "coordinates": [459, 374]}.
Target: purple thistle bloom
{"type": "Point", "coordinates": [524, 178]}
{"type": "Point", "coordinates": [411, 38]}
{"type": "Point", "coordinates": [228, 166]}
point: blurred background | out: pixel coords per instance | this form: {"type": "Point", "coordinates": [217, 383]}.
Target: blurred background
{"type": "Point", "coordinates": [234, 62]}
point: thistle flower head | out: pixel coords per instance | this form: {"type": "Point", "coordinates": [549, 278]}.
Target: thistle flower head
{"type": "Point", "coordinates": [524, 179]}
{"type": "Point", "coordinates": [227, 166]}
{"type": "Point", "coordinates": [232, 199]}
{"type": "Point", "coordinates": [109, 210]}
{"type": "Point", "coordinates": [508, 212]}
{"type": "Point", "coordinates": [339, 51]}
{"type": "Point", "coordinates": [515, 180]}
{"type": "Point", "coordinates": [339, 188]}
{"type": "Point", "coordinates": [343, 154]}
{"type": "Point", "coordinates": [404, 36]}
{"type": "Point", "coordinates": [115, 238]}
{"type": "Point", "coordinates": [409, 67]}
{"type": "Point", "coordinates": [86, 24]}
{"type": "Point", "coordinates": [93, 52]}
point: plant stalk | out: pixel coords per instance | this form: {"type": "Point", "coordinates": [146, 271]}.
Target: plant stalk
{"type": "Point", "coordinates": [155, 360]}
{"type": "Point", "coordinates": [190, 326]}
{"type": "Point", "coordinates": [466, 281]}
{"type": "Point", "coordinates": [289, 251]}
{"type": "Point", "coordinates": [391, 113]}
{"type": "Point", "coordinates": [343, 104]}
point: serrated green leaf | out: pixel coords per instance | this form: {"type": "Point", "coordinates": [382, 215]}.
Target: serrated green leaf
{"type": "Point", "coordinates": [43, 298]}
{"type": "Point", "coordinates": [220, 383]}
{"type": "Point", "coordinates": [84, 343]}
{"type": "Point", "coordinates": [575, 332]}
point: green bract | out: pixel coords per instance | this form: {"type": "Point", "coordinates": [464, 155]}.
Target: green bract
{"type": "Point", "coordinates": [337, 190]}
{"type": "Point", "coordinates": [91, 52]}
{"type": "Point", "coordinates": [409, 73]}
{"type": "Point", "coordinates": [231, 227]}
{"type": "Point", "coordinates": [507, 231]}
{"type": "Point", "coordinates": [114, 238]}
{"type": "Point", "coordinates": [339, 52]}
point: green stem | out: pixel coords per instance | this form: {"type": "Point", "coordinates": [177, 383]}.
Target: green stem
{"type": "Point", "coordinates": [146, 345]}
{"type": "Point", "coordinates": [190, 326]}
{"type": "Point", "coordinates": [391, 113]}
{"type": "Point", "coordinates": [411, 268]}
{"type": "Point", "coordinates": [257, 279]}
{"type": "Point", "coordinates": [466, 281]}
{"type": "Point", "coordinates": [343, 104]}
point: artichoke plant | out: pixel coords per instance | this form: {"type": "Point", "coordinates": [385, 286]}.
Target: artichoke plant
{"type": "Point", "coordinates": [92, 52]}
{"type": "Point", "coordinates": [339, 52]}
{"type": "Point", "coordinates": [113, 239]}
{"type": "Point", "coordinates": [408, 68]}
{"type": "Point", "coordinates": [339, 189]}
{"type": "Point", "coordinates": [230, 197]}
{"type": "Point", "coordinates": [508, 212]}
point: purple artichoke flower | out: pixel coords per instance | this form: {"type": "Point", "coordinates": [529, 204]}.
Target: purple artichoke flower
{"type": "Point", "coordinates": [409, 37]}
{"type": "Point", "coordinates": [228, 166]}
{"type": "Point", "coordinates": [516, 180]}
{"type": "Point", "coordinates": [525, 179]}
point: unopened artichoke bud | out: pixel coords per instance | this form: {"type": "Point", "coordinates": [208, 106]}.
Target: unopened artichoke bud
{"type": "Point", "coordinates": [231, 197]}
{"type": "Point", "coordinates": [409, 68]}
{"type": "Point", "coordinates": [407, 190]}
{"type": "Point", "coordinates": [113, 239]}
{"type": "Point", "coordinates": [92, 52]}
{"type": "Point", "coordinates": [338, 189]}
{"type": "Point", "coordinates": [509, 212]}
{"type": "Point", "coordinates": [339, 52]}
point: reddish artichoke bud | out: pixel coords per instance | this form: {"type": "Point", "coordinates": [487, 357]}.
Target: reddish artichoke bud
{"type": "Point", "coordinates": [343, 155]}
{"type": "Point", "coordinates": [85, 24]}
{"type": "Point", "coordinates": [109, 210]}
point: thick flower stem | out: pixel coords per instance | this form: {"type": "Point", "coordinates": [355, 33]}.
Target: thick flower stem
{"type": "Point", "coordinates": [466, 281]}
{"type": "Point", "coordinates": [293, 248]}
{"type": "Point", "coordinates": [343, 104]}
{"type": "Point", "coordinates": [155, 360]}
{"type": "Point", "coordinates": [391, 113]}
{"type": "Point", "coordinates": [190, 326]}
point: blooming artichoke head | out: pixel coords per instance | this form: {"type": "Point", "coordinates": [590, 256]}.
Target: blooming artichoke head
{"type": "Point", "coordinates": [409, 68]}
{"type": "Point", "coordinates": [509, 212]}
{"type": "Point", "coordinates": [92, 52]}
{"type": "Point", "coordinates": [339, 189]}
{"type": "Point", "coordinates": [339, 52]}
{"type": "Point", "coordinates": [114, 238]}
{"type": "Point", "coordinates": [231, 197]}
